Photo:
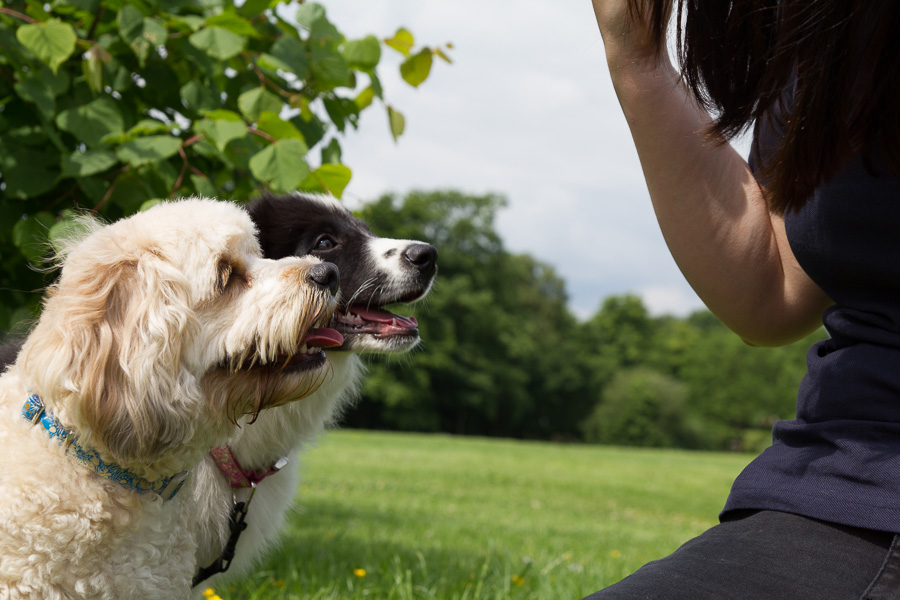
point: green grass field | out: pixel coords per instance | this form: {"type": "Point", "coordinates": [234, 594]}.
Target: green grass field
{"type": "Point", "coordinates": [400, 516]}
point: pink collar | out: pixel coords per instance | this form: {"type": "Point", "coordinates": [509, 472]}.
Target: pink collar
{"type": "Point", "coordinates": [236, 475]}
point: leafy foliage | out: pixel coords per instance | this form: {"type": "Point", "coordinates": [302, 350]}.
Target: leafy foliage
{"type": "Point", "coordinates": [111, 106]}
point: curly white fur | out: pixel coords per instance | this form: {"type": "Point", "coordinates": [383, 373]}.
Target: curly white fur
{"type": "Point", "coordinates": [144, 351]}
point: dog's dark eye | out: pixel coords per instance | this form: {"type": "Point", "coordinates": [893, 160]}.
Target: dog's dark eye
{"type": "Point", "coordinates": [324, 243]}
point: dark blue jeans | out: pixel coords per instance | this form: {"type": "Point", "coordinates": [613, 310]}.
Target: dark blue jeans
{"type": "Point", "coordinates": [767, 555]}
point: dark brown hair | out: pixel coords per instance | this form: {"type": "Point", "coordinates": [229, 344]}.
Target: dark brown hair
{"type": "Point", "coordinates": [737, 58]}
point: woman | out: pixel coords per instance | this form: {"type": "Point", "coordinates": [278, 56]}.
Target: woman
{"type": "Point", "coordinates": [808, 232]}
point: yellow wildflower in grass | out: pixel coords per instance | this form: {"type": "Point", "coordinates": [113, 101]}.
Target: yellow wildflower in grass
{"type": "Point", "coordinates": [359, 573]}
{"type": "Point", "coordinates": [518, 580]}
{"type": "Point", "coordinates": [210, 594]}
{"type": "Point", "coordinates": [615, 554]}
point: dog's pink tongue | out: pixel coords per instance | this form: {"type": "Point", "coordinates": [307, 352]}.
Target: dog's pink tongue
{"type": "Point", "coordinates": [323, 338]}
{"type": "Point", "coordinates": [383, 316]}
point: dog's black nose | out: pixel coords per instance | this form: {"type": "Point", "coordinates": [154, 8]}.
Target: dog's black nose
{"type": "Point", "coordinates": [325, 275]}
{"type": "Point", "coordinates": [423, 257]}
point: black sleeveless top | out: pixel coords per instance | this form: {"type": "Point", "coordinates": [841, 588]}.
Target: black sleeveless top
{"type": "Point", "coordinates": [839, 460]}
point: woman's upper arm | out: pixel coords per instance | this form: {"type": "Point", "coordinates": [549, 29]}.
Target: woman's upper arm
{"type": "Point", "coordinates": [795, 310]}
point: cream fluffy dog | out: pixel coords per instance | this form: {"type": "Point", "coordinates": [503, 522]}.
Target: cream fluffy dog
{"type": "Point", "coordinates": [163, 330]}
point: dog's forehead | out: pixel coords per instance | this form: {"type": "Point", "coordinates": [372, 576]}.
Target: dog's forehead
{"type": "Point", "coordinates": [310, 210]}
{"type": "Point", "coordinates": [194, 222]}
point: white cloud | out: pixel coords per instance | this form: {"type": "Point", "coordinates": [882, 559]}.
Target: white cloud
{"type": "Point", "coordinates": [675, 299]}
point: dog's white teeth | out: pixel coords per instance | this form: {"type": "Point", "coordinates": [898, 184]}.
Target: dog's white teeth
{"type": "Point", "coordinates": [304, 349]}
{"type": "Point", "coordinates": [352, 319]}
{"type": "Point", "coordinates": [314, 350]}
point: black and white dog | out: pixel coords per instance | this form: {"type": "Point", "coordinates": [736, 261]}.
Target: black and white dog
{"type": "Point", "coordinates": [233, 484]}
{"type": "Point", "coordinates": [374, 272]}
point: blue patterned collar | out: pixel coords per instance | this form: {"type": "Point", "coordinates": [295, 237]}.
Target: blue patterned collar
{"type": "Point", "coordinates": [33, 411]}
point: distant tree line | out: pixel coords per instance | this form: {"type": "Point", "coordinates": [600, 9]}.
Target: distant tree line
{"type": "Point", "coordinates": [503, 356]}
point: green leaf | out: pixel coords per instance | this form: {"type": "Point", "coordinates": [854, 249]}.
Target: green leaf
{"type": "Point", "coordinates": [281, 165]}
{"type": "Point", "coordinates": [416, 68]}
{"type": "Point", "coordinates": [222, 114]}
{"type": "Point", "coordinates": [147, 127]}
{"type": "Point", "coordinates": [148, 149]}
{"type": "Point", "coordinates": [292, 53]}
{"type": "Point", "coordinates": [443, 56]}
{"type": "Point", "coordinates": [131, 190]}
{"type": "Point", "coordinates": [331, 154]}
{"type": "Point", "coordinates": [141, 34]}
{"type": "Point", "coordinates": [376, 85]}
{"type": "Point", "coordinates": [324, 33]}
{"type": "Point", "coordinates": [193, 22]}
{"type": "Point", "coordinates": [91, 122]}
{"type": "Point", "coordinates": [233, 23]}
{"type": "Point", "coordinates": [277, 127]}
{"type": "Point", "coordinates": [27, 172]}
{"type": "Point", "coordinates": [30, 235]}
{"type": "Point", "coordinates": [93, 188]}
{"type": "Point", "coordinates": [82, 164]}
{"type": "Point", "coordinates": [397, 122]}
{"type": "Point", "coordinates": [362, 54]}
{"type": "Point", "coordinates": [329, 67]}
{"type": "Point", "coordinates": [308, 13]}
{"type": "Point", "coordinates": [43, 89]}
{"type": "Point", "coordinates": [35, 92]}
{"type": "Point", "coordinates": [221, 131]}
{"type": "Point", "coordinates": [402, 41]}
{"type": "Point", "coordinates": [65, 229]}
{"type": "Point", "coordinates": [218, 43]}
{"type": "Point", "coordinates": [198, 97]}
{"type": "Point", "coordinates": [257, 101]}
{"type": "Point", "coordinates": [32, 229]}
{"type": "Point", "coordinates": [204, 187]}
{"type": "Point", "coordinates": [148, 204]}
{"type": "Point", "coordinates": [267, 61]}
{"type": "Point", "coordinates": [253, 8]}
{"type": "Point", "coordinates": [341, 111]}
{"type": "Point", "coordinates": [364, 98]}
{"type": "Point", "coordinates": [330, 178]}
{"type": "Point", "coordinates": [52, 42]}
{"type": "Point", "coordinates": [313, 129]}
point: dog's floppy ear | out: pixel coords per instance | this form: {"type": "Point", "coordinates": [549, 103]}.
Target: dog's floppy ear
{"type": "Point", "coordinates": [107, 352]}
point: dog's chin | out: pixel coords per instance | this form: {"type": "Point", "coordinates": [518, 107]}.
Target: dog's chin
{"type": "Point", "coordinates": [359, 343]}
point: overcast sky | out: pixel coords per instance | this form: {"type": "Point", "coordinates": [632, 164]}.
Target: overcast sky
{"type": "Point", "coordinates": [526, 110]}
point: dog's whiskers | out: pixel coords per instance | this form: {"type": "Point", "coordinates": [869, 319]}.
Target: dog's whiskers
{"type": "Point", "coordinates": [362, 288]}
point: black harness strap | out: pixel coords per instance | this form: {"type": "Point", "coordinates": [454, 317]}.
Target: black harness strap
{"type": "Point", "coordinates": [237, 525]}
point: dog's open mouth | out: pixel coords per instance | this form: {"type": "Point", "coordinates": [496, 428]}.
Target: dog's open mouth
{"type": "Point", "coordinates": [310, 355]}
{"type": "Point", "coordinates": [376, 322]}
